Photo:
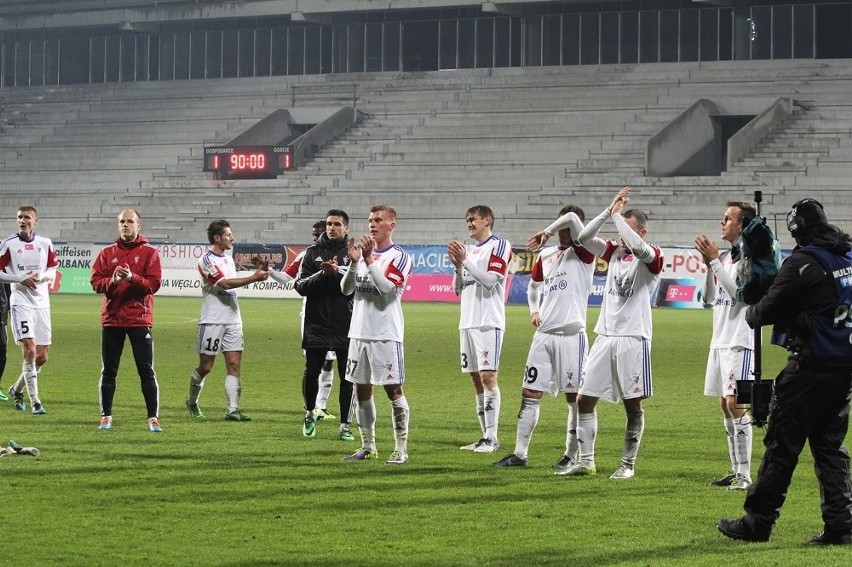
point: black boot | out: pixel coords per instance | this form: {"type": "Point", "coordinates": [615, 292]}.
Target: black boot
{"type": "Point", "coordinates": [831, 538]}
{"type": "Point", "coordinates": [743, 529]}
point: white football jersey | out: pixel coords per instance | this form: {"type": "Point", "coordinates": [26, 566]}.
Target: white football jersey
{"type": "Point", "coordinates": [18, 258]}
{"type": "Point", "coordinates": [630, 283]}
{"type": "Point", "coordinates": [218, 306]}
{"type": "Point", "coordinates": [482, 307]}
{"type": "Point", "coordinates": [377, 316]}
{"type": "Point", "coordinates": [729, 325]}
{"type": "Point", "coordinates": [564, 279]}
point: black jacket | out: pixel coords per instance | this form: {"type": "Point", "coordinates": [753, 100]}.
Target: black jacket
{"type": "Point", "coordinates": [327, 311]}
{"type": "Point", "coordinates": [801, 288]}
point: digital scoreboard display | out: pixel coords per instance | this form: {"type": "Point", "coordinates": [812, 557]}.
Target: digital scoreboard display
{"type": "Point", "coordinates": [236, 162]}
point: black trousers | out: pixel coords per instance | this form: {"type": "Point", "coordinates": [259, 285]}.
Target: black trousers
{"type": "Point", "coordinates": [808, 405]}
{"type": "Point", "coordinates": [142, 343]}
{"type": "Point", "coordinates": [4, 338]}
{"type": "Point", "coordinates": [314, 359]}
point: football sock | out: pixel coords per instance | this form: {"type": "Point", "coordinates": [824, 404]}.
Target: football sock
{"type": "Point", "coordinates": [31, 380]}
{"type": "Point", "coordinates": [571, 437]}
{"type": "Point", "coordinates": [480, 412]}
{"type": "Point", "coordinates": [587, 431]}
{"type": "Point", "coordinates": [527, 420]}
{"type": "Point", "coordinates": [732, 450]}
{"type": "Point", "coordinates": [196, 384]}
{"type": "Point", "coordinates": [399, 407]}
{"type": "Point", "coordinates": [19, 383]}
{"type": "Point", "coordinates": [742, 444]}
{"type": "Point", "coordinates": [326, 378]}
{"type": "Point", "coordinates": [232, 392]}
{"type": "Point", "coordinates": [491, 397]}
{"type": "Point", "coordinates": [633, 436]}
{"type": "Point", "coordinates": [367, 423]}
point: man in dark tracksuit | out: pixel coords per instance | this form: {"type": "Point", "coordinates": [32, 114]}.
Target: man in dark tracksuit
{"type": "Point", "coordinates": [810, 300]}
{"type": "Point", "coordinates": [327, 316]}
{"type": "Point", "coordinates": [128, 274]}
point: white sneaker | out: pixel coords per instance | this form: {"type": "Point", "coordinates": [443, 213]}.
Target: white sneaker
{"type": "Point", "coordinates": [487, 446]}
{"type": "Point", "coordinates": [577, 469]}
{"type": "Point", "coordinates": [623, 471]}
{"type": "Point", "coordinates": [740, 482]}
{"type": "Point", "coordinates": [471, 446]}
{"type": "Point", "coordinates": [397, 458]}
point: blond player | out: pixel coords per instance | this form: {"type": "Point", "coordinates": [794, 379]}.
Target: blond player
{"type": "Point", "coordinates": [377, 275]}
{"type": "Point", "coordinates": [28, 262]}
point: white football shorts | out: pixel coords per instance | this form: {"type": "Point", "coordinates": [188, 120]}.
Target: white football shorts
{"type": "Point", "coordinates": [724, 367]}
{"type": "Point", "coordinates": [213, 338]}
{"type": "Point", "coordinates": [555, 363]}
{"type": "Point", "coordinates": [380, 363]}
{"type": "Point", "coordinates": [618, 368]}
{"type": "Point", "coordinates": [480, 349]}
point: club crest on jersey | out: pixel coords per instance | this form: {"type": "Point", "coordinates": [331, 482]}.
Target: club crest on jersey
{"type": "Point", "coordinates": [136, 259]}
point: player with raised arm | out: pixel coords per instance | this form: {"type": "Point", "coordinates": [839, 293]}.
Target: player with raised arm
{"type": "Point", "coordinates": [619, 365]}
{"type": "Point", "coordinates": [732, 344]}
{"type": "Point", "coordinates": [558, 297]}
{"type": "Point", "coordinates": [377, 275]}
{"type": "Point", "coordinates": [220, 326]}
{"type": "Point", "coordinates": [480, 282]}
{"type": "Point", "coordinates": [28, 262]}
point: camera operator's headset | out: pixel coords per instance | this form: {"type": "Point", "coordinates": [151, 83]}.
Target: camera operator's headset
{"type": "Point", "coordinates": [797, 225]}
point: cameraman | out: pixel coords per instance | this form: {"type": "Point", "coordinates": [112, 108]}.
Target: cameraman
{"type": "Point", "coordinates": [809, 300]}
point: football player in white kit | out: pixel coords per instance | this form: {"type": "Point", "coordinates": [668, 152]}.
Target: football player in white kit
{"type": "Point", "coordinates": [619, 365]}
{"type": "Point", "coordinates": [220, 326]}
{"type": "Point", "coordinates": [28, 262]}
{"type": "Point", "coordinates": [480, 281]}
{"type": "Point", "coordinates": [377, 276]}
{"type": "Point", "coordinates": [558, 297]}
{"type": "Point", "coordinates": [732, 345]}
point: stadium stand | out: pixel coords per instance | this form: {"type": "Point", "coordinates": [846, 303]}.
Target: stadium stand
{"type": "Point", "coordinates": [523, 141]}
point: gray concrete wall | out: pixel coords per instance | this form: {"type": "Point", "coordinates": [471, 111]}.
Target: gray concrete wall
{"type": "Point", "coordinates": [763, 124]}
{"type": "Point", "coordinates": [689, 145]}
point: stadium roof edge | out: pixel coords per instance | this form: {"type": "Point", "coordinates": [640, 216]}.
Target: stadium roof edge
{"type": "Point", "coordinates": [20, 15]}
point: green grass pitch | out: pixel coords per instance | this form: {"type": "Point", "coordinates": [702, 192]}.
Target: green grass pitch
{"type": "Point", "coordinates": [258, 493]}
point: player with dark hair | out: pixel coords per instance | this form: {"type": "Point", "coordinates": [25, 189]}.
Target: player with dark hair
{"type": "Point", "coordinates": [377, 273]}
{"type": "Point", "coordinates": [328, 313]}
{"type": "Point", "coordinates": [810, 305]}
{"type": "Point", "coordinates": [220, 326]}
{"type": "Point", "coordinates": [28, 262]}
{"type": "Point", "coordinates": [558, 296]}
{"type": "Point", "coordinates": [480, 282]}
{"type": "Point", "coordinates": [731, 357]}
{"type": "Point", "coordinates": [326, 376]}
{"type": "Point", "coordinates": [128, 273]}
{"type": "Point", "coordinates": [619, 365]}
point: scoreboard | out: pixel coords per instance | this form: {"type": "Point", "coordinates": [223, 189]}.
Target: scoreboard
{"type": "Point", "coordinates": [241, 162]}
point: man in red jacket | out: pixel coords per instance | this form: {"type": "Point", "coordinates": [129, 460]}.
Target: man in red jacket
{"type": "Point", "coordinates": [128, 273]}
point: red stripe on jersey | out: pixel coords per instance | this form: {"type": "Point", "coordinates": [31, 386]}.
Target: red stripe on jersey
{"type": "Point", "coordinates": [584, 255]}
{"type": "Point", "coordinates": [52, 261]}
{"type": "Point", "coordinates": [293, 269]}
{"type": "Point", "coordinates": [656, 266]}
{"type": "Point", "coordinates": [4, 260]}
{"type": "Point", "coordinates": [393, 275]}
{"type": "Point", "coordinates": [497, 264]}
{"type": "Point", "coordinates": [537, 274]}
